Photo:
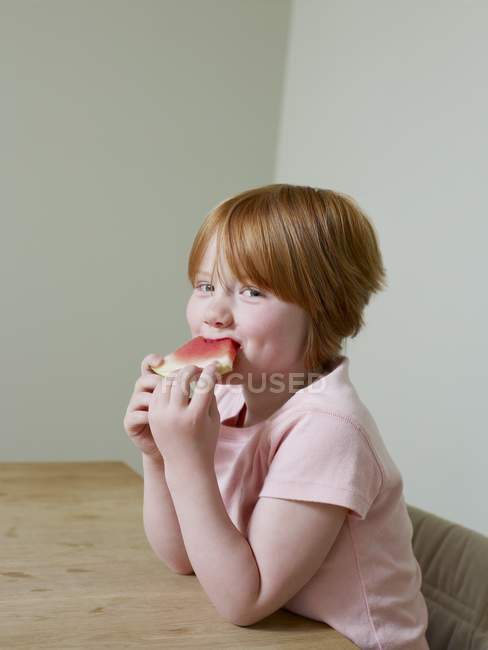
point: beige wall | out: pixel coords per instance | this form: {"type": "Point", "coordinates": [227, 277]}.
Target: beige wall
{"type": "Point", "coordinates": [387, 101]}
{"type": "Point", "coordinates": [123, 124]}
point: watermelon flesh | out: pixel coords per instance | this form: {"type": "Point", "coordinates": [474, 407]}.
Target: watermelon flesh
{"type": "Point", "coordinates": [201, 352]}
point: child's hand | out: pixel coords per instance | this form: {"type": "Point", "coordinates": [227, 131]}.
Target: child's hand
{"type": "Point", "coordinates": [186, 430]}
{"type": "Point", "coordinates": [136, 422]}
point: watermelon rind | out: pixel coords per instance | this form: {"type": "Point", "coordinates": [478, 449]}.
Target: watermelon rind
{"type": "Point", "coordinates": [171, 364]}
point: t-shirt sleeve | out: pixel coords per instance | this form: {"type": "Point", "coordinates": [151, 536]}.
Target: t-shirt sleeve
{"type": "Point", "coordinates": [324, 458]}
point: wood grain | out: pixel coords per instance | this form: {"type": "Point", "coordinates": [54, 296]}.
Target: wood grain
{"type": "Point", "coordinates": [76, 571]}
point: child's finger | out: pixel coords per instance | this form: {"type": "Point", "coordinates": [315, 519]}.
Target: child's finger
{"type": "Point", "coordinates": [204, 389]}
{"type": "Point", "coordinates": [151, 361]}
{"type": "Point", "coordinates": [180, 392]}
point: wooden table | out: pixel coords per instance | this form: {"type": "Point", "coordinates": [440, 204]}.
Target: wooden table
{"type": "Point", "coordinates": [76, 571]}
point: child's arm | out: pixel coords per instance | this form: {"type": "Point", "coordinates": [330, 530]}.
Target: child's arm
{"type": "Point", "coordinates": [160, 521]}
{"type": "Point", "coordinates": [248, 579]}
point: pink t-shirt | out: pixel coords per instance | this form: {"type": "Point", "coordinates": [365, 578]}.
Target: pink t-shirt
{"type": "Point", "coordinates": [324, 445]}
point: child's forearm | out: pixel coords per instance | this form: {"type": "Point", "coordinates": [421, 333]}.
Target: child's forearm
{"type": "Point", "coordinates": [222, 558]}
{"type": "Point", "coordinates": [160, 521]}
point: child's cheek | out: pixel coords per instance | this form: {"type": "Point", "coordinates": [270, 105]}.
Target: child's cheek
{"type": "Point", "coordinates": [192, 317]}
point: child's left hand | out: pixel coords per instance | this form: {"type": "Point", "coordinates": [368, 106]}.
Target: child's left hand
{"type": "Point", "coordinates": [185, 431]}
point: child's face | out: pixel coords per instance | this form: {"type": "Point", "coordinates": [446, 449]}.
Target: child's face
{"type": "Point", "coordinates": [272, 333]}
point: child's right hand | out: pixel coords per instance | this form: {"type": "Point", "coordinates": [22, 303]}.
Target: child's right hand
{"type": "Point", "coordinates": [136, 422]}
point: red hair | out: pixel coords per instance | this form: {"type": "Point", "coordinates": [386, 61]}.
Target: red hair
{"type": "Point", "coordinates": [312, 247]}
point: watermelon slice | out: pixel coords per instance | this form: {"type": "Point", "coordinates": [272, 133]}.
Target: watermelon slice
{"type": "Point", "coordinates": [200, 352]}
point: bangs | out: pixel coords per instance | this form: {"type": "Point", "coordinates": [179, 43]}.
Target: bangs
{"type": "Point", "coordinates": [311, 247]}
{"type": "Point", "coordinates": [249, 238]}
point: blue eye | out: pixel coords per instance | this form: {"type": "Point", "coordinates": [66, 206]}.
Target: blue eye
{"type": "Point", "coordinates": [255, 291]}
{"type": "Point", "coordinates": [207, 284]}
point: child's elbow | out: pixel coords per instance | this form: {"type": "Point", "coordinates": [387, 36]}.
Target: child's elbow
{"type": "Point", "coordinates": [177, 565]}
{"type": "Point", "coordinates": [238, 624]}
{"type": "Point", "coordinates": [181, 568]}
{"type": "Point", "coordinates": [183, 571]}
{"type": "Point", "coordinates": [245, 621]}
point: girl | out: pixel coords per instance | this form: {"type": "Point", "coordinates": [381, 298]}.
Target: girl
{"type": "Point", "coordinates": [272, 483]}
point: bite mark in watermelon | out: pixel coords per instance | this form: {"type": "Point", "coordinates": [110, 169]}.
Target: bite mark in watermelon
{"type": "Point", "coordinates": [200, 352]}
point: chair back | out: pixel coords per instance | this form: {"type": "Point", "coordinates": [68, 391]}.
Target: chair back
{"type": "Point", "coordinates": [454, 564]}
